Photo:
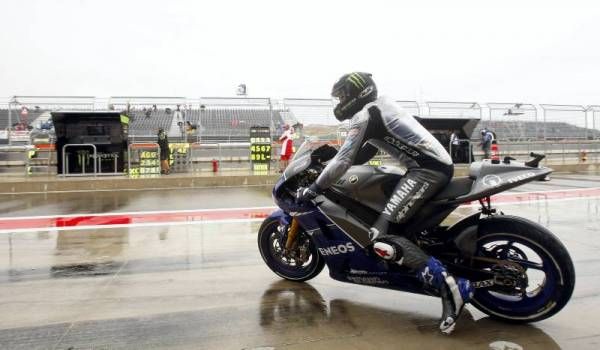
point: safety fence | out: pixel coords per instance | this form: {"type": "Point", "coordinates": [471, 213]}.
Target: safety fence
{"type": "Point", "coordinates": [26, 119]}
{"type": "Point", "coordinates": [470, 110]}
{"type": "Point", "coordinates": [222, 158]}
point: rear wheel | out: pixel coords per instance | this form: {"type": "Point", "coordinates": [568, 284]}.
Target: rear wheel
{"type": "Point", "coordinates": [534, 273]}
{"type": "Point", "coordinates": [301, 263]}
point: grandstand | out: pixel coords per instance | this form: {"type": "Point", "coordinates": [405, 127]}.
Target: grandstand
{"type": "Point", "coordinates": [31, 117]}
{"type": "Point", "coordinates": [211, 124]}
{"type": "Point", "coordinates": [230, 124]}
{"type": "Point", "coordinates": [3, 117]}
{"type": "Point", "coordinates": [146, 122]}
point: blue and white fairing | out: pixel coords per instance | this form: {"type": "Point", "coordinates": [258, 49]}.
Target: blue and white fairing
{"type": "Point", "coordinates": [344, 254]}
{"type": "Point", "coordinates": [308, 154]}
{"type": "Point", "coordinates": [349, 261]}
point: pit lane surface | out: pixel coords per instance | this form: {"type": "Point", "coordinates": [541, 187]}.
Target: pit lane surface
{"type": "Point", "coordinates": [203, 285]}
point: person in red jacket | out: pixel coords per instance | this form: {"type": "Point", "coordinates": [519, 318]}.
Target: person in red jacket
{"type": "Point", "coordinates": [287, 147]}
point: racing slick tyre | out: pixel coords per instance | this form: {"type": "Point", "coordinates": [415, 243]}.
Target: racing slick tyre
{"type": "Point", "coordinates": [539, 263]}
{"type": "Point", "coordinates": [271, 246]}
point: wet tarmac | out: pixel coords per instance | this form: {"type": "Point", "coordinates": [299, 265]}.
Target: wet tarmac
{"type": "Point", "coordinates": [203, 285]}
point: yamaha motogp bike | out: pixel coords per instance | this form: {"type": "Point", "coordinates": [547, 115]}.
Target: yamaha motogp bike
{"type": "Point", "coordinates": [521, 271]}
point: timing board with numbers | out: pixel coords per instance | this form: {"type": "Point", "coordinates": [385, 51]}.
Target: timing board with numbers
{"type": "Point", "coordinates": [260, 148]}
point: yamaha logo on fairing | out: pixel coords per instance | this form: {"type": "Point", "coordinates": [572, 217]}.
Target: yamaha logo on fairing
{"type": "Point", "coordinates": [353, 179]}
{"type": "Point", "coordinates": [337, 249]}
{"type": "Point", "coordinates": [491, 180]}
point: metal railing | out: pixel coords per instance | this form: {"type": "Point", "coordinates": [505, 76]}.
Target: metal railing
{"type": "Point", "coordinates": [65, 160]}
{"type": "Point", "coordinates": [454, 109]}
{"type": "Point", "coordinates": [26, 111]}
{"type": "Point", "coordinates": [228, 155]}
{"type": "Point", "coordinates": [225, 119]}
{"type": "Point", "coordinates": [462, 144]}
{"type": "Point", "coordinates": [569, 151]}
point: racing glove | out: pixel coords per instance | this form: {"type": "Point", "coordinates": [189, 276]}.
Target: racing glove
{"type": "Point", "coordinates": [306, 194]}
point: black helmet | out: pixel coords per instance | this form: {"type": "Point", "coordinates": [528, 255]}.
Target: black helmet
{"type": "Point", "coordinates": [354, 91]}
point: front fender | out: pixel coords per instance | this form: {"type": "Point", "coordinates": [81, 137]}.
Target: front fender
{"type": "Point", "coordinates": [281, 216]}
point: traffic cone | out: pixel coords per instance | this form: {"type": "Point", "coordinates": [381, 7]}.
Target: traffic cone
{"type": "Point", "coordinates": [495, 152]}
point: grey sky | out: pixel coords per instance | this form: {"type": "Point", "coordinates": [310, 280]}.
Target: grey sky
{"type": "Point", "coordinates": [542, 52]}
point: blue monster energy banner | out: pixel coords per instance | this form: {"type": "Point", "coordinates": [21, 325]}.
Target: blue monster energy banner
{"type": "Point", "coordinates": [260, 148]}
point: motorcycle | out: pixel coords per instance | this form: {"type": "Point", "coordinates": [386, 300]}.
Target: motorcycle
{"type": "Point", "coordinates": [521, 272]}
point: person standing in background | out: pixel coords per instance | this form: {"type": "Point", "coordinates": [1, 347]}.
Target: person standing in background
{"type": "Point", "coordinates": [454, 145]}
{"type": "Point", "coordinates": [165, 152]}
{"type": "Point", "coordinates": [287, 147]}
{"type": "Point", "coordinates": [486, 143]}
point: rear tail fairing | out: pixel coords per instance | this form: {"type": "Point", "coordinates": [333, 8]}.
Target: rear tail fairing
{"type": "Point", "coordinates": [493, 178]}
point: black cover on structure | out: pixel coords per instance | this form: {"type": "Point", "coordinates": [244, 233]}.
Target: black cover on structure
{"type": "Point", "coordinates": [442, 128]}
{"type": "Point", "coordinates": [447, 125]}
{"type": "Point", "coordinates": [105, 130]}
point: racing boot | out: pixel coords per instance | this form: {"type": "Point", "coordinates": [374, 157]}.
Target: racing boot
{"type": "Point", "coordinates": [455, 292]}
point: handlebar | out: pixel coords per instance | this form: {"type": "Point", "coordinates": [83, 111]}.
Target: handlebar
{"type": "Point", "coordinates": [535, 162]}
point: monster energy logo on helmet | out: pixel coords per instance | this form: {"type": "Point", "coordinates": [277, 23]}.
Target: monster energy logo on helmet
{"type": "Point", "coordinates": [357, 80]}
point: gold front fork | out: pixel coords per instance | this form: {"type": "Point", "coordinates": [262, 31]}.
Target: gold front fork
{"type": "Point", "coordinates": [291, 238]}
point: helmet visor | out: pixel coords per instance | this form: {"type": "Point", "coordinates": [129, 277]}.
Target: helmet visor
{"type": "Point", "coordinates": [338, 96]}
{"type": "Point", "coordinates": [336, 100]}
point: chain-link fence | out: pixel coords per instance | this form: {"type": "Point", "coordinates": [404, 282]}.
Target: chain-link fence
{"type": "Point", "coordinates": [28, 118]}
{"type": "Point", "coordinates": [513, 122]}
{"type": "Point", "coordinates": [454, 109]}
{"type": "Point", "coordinates": [315, 118]}
{"type": "Point", "coordinates": [594, 121]}
{"type": "Point", "coordinates": [214, 120]}
{"type": "Point", "coordinates": [229, 119]}
{"type": "Point", "coordinates": [148, 114]}
{"type": "Point", "coordinates": [4, 122]}
{"type": "Point", "coordinates": [565, 122]}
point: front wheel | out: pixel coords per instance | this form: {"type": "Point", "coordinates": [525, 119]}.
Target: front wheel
{"type": "Point", "coordinates": [536, 268]}
{"type": "Point", "coordinates": [301, 264]}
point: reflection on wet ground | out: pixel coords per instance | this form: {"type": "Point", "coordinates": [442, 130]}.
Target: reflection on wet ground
{"type": "Point", "coordinates": [287, 315]}
{"type": "Point", "coordinates": [204, 286]}
{"type": "Point", "coordinates": [298, 309]}
{"type": "Point", "coordinates": [126, 201]}
{"type": "Point", "coordinates": [201, 198]}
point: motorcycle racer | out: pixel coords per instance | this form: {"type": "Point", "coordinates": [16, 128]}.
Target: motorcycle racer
{"type": "Point", "coordinates": [378, 123]}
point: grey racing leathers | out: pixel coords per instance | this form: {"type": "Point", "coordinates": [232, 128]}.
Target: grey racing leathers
{"type": "Point", "coordinates": [382, 124]}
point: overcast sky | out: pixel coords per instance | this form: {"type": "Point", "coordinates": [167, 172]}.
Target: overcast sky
{"type": "Point", "coordinates": [542, 52]}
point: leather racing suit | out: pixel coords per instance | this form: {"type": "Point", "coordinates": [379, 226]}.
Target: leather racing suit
{"type": "Point", "coordinates": [382, 124]}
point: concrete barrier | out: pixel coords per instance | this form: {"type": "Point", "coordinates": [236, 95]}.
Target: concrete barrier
{"type": "Point", "coordinates": [49, 184]}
